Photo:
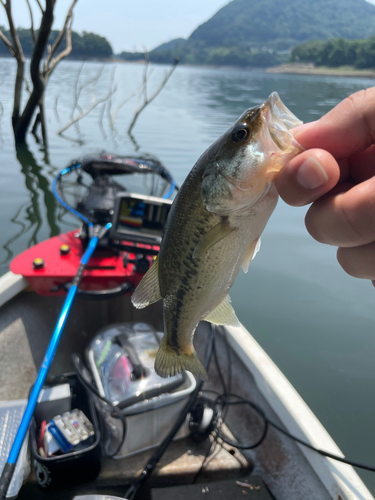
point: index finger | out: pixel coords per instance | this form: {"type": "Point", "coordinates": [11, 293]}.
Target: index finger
{"type": "Point", "coordinates": [345, 130]}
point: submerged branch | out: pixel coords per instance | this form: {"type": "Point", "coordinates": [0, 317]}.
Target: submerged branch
{"type": "Point", "coordinates": [101, 121]}
{"type": "Point", "coordinates": [85, 113]}
{"type": "Point", "coordinates": [109, 105]}
{"type": "Point", "coordinates": [55, 108]}
{"type": "Point", "coordinates": [78, 88]}
{"type": "Point", "coordinates": [146, 100]}
{"type": "Point", "coordinates": [115, 113]}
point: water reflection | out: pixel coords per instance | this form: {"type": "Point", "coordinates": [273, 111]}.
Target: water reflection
{"type": "Point", "coordinates": [29, 215]}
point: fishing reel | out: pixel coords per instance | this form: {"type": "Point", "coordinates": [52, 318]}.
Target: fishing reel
{"type": "Point", "coordinates": [203, 419]}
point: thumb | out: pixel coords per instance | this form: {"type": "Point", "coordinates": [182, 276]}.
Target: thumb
{"type": "Point", "coordinates": [307, 177]}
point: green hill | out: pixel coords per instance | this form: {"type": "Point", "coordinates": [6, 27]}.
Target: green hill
{"type": "Point", "coordinates": [282, 24]}
{"type": "Point", "coordinates": [86, 45]}
{"type": "Point", "coordinates": [173, 44]}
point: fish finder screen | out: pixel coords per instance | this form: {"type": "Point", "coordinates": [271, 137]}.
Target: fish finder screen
{"type": "Point", "coordinates": [142, 215]}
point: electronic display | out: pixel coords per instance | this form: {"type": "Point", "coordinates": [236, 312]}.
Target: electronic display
{"type": "Point", "coordinates": [140, 218]}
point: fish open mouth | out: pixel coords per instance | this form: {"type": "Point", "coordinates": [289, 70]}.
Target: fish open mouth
{"type": "Point", "coordinates": [280, 120]}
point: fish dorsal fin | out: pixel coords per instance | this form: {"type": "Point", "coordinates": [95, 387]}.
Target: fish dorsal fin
{"type": "Point", "coordinates": [253, 250]}
{"type": "Point", "coordinates": [214, 235]}
{"type": "Point", "coordinates": [223, 314]}
{"type": "Point", "coordinates": [148, 290]}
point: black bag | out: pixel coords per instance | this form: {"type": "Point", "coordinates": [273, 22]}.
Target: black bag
{"type": "Point", "coordinates": [76, 466]}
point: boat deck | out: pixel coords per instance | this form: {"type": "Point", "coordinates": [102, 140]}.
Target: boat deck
{"type": "Point", "coordinates": [26, 323]}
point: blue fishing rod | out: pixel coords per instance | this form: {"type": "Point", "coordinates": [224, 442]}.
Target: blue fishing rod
{"type": "Point", "coordinates": [7, 474]}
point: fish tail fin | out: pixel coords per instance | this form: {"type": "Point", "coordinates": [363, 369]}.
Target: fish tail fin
{"type": "Point", "coordinates": [170, 362]}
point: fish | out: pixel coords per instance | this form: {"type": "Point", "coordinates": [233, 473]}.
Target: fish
{"type": "Point", "coordinates": [213, 229]}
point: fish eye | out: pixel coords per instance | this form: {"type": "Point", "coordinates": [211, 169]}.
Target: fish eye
{"type": "Point", "coordinates": [240, 133]}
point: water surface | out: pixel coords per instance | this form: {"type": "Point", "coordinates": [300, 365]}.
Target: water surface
{"type": "Point", "coordinates": [314, 321]}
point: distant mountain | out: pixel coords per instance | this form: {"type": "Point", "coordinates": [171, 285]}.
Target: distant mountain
{"type": "Point", "coordinates": [262, 32]}
{"type": "Point", "coordinates": [281, 24]}
{"type": "Point", "coordinates": [173, 44]}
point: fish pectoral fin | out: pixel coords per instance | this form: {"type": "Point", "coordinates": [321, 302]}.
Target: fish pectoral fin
{"type": "Point", "coordinates": [223, 314]}
{"type": "Point", "coordinates": [214, 235]}
{"type": "Point", "coordinates": [253, 250]}
{"type": "Point", "coordinates": [170, 362]}
{"type": "Point", "coordinates": [148, 290]}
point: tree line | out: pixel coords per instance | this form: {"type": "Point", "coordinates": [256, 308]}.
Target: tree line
{"type": "Point", "coordinates": [218, 56]}
{"type": "Point", "coordinates": [85, 45]}
{"type": "Point", "coordinates": [337, 52]}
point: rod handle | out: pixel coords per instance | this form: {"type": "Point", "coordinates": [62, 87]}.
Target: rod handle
{"type": "Point", "coordinates": [5, 479]}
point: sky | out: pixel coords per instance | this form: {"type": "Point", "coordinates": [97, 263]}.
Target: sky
{"type": "Point", "coordinates": [127, 24]}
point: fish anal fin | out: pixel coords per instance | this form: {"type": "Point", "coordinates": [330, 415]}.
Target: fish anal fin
{"type": "Point", "coordinates": [148, 290]}
{"type": "Point", "coordinates": [214, 235]}
{"type": "Point", "coordinates": [170, 362]}
{"type": "Point", "coordinates": [223, 314]}
{"type": "Point", "coordinates": [253, 250]}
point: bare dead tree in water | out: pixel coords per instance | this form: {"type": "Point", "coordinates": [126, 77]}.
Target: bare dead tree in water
{"type": "Point", "coordinates": [94, 101]}
{"type": "Point", "coordinates": [144, 98]}
{"type": "Point", "coordinates": [40, 70]}
{"type": "Point", "coordinates": [106, 101]}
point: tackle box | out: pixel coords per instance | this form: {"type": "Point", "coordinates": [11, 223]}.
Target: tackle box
{"type": "Point", "coordinates": [79, 465]}
{"type": "Point", "coordinates": [121, 359]}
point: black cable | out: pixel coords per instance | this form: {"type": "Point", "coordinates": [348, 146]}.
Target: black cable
{"type": "Point", "coordinates": [222, 400]}
{"type": "Point", "coordinates": [213, 445]}
{"type": "Point", "coordinates": [218, 419]}
{"type": "Point", "coordinates": [322, 452]}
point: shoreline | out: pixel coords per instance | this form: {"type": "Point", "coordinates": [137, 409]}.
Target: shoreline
{"type": "Point", "coordinates": [287, 68]}
{"type": "Point", "coordinates": [310, 69]}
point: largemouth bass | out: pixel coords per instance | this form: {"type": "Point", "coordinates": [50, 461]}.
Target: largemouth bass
{"type": "Point", "coordinates": [214, 228]}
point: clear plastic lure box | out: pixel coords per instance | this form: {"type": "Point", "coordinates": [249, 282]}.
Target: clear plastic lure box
{"type": "Point", "coordinates": [121, 359]}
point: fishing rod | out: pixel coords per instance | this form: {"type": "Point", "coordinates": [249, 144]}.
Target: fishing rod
{"type": "Point", "coordinates": [7, 473]}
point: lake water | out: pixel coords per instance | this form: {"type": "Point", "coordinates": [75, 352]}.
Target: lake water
{"type": "Point", "coordinates": [314, 321]}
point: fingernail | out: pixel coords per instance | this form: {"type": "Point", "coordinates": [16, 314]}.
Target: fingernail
{"type": "Point", "coordinates": [311, 174]}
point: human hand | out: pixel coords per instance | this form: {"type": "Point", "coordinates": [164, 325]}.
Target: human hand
{"type": "Point", "coordinates": [336, 174]}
